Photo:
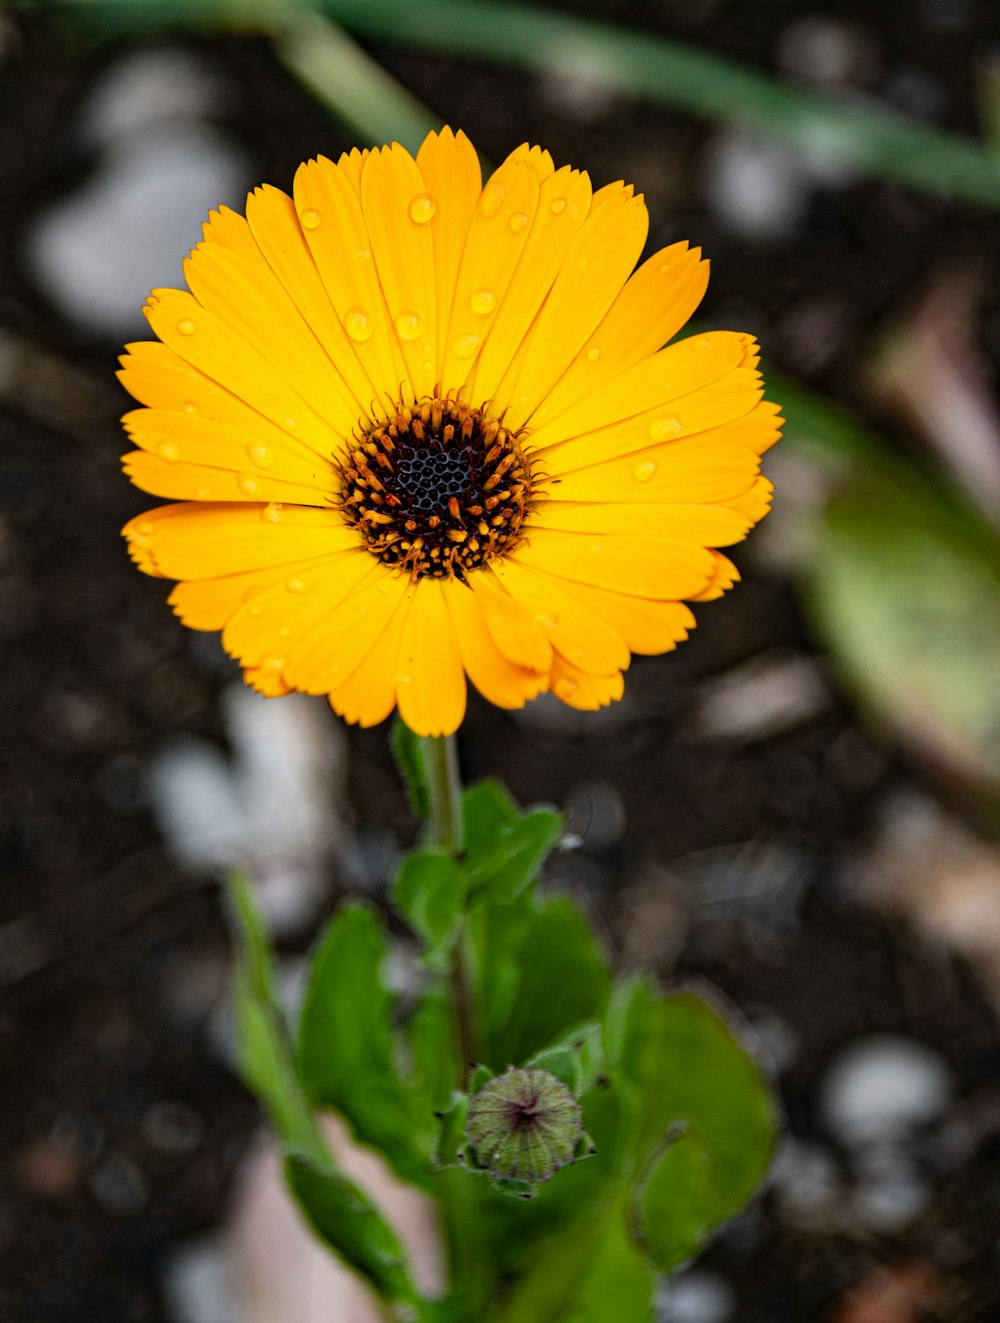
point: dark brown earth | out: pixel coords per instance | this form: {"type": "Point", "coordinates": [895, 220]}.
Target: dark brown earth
{"type": "Point", "coordinates": [119, 1128]}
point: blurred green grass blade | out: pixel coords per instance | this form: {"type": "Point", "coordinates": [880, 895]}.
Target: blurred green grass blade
{"type": "Point", "coordinates": [346, 79]}
{"type": "Point", "coordinates": [675, 74]}
{"type": "Point", "coordinates": [652, 67]}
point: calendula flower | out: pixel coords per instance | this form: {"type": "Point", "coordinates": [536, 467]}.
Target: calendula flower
{"type": "Point", "coordinates": [422, 429]}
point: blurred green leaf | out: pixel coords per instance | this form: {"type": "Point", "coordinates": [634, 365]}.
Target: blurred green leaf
{"type": "Point", "coordinates": [432, 1046]}
{"type": "Point", "coordinates": [590, 1273]}
{"type": "Point", "coordinates": [338, 1209]}
{"type": "Point", "coordinates": [451, 1136]}
{"type": "Point", "coordinates": [503, 857]}
{"type": "Point", "coordinates": [487, 808]}
{"type": "Point", "coordinates": [408, 753]}
{"type": "Point", "coordinates": [905, 592]}
{"type": "Point", "coordinates": [429, 890]}
{"type": "Point", "coordinates": [677, 1204]}
{"type": "Point", "coordinates": [694, 1069]}
{"type": "Point", "coordinates": [564, 982]}
{"type": "Point", "coordinates": [350, 1224]}
{"type": "Point", "coordinates": [346, 1052]}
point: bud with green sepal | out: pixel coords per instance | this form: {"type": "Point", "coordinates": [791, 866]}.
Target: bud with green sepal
{"type": "Point", "coordinates": [523, 1126]}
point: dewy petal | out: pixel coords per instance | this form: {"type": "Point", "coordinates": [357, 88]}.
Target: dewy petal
{"type": "Point", "coordinates": [452, 181]}
{"type": "Point", "coordinates": [497, 237]}
{"type": "Point", "coordinates": [275, 226]}
{"type": "Point", "coordinates": [658, 568]}
{"type": "Point", "coordinates": [512, 627]}
{"type": "Point", "coordinates": [403, 250]}
{"type": "Point", "coordinates": [250, 299]}
{"type": "Point", "coordinates": [675, 373]}
{"type": "Point", "coordinates": [655, 304]}
{"type": "Point", "coordinates": [211, 603]}
{"type": "Point", "coordinates": [647, 627]}
{"type": "Point", "coordinates": [597, 262]}
{"type": "Point", "coordinates": [675, 473]}
{"type": "Point", "coordinates": [578, 689]}
{"type": "Point", "coordinates": [499, 680]}
{"type": "Point", "coordinates": [582, 637]}
{"type": "Point", "coordinates": [368, 695]}
{"type": "Point", "coordinates": [430, 681]}
{"type": "Point", "coordinates": [724, 575]}
{"type": "Point", "coordinates": [563, 204]}
{"type": "Point", "coordinates": [329, 653]}
{"type": "Point", "coordinates": [333, 222]}
{"type": "Point", "coordinates": [214, 348]}
{"type": "Point", "coordinates": [208, 541]}
{"type": "Point", "coordinates": [273, 621]}
{"type": "Point", "coordinates": [706, 525]}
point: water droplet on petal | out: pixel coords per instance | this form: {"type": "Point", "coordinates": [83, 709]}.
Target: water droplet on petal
{"type": "Point", "coordinates": [310, 219]}
{"type": "Point", "coordinates": [254, 609]}
{"type": "Point", "coordinates": [666, 427]}
{"type": "Point", "coordinates": [518, 222]}
{"type": "Point", "coordinates": [271, 661]}
{"type": "Point", "coordinates": [271, 513]}
{"type": "Point", "coordinates": [409, 325]}
{"type": "Point", "coordinates": [564, 687]}
{"type": "Point", "coordinates": [295, 585]}
{"type": "Point", "coordinates": [168, 452]}
{"type": "Point", "coordinates": [547, 621]}
{"type": "Point", "coordinates": [260, 455]}
{"type": "Point", "coordinates": [484, 300]}
{"type": "Point", "coordinates": [664, 267]}
{"type": "Point", "coordinates": [289, 423]}
{"type": "Point", "coordinates": [422, 209]}
{"type": "Point", "coordinates": [465, 346]}
{"type": "Point", "coordinates": [247, 484]}
{"type": "Point", "coordinates": [557, 206]}
{"type": "Point", "coordinates": [186, 326]}
{"type": "Point", "coordinates": [361, 255]}
{"type": "Point", "coordinates": [593, 354]}
{"type": "Point", "coordinates": [358, 324]}
{"type": "Point", "coordinates": [645, 470]}
{"type": "Point", "coordinates": [143, 532]}
{"type": "Point", "coordinates": [201, 494]}
{"type": "Point", "coordinates": [491, 199]}
{"type": "Point", "coordinates": [702, 342]}
{"type": "Point", "coordinates": [189, 407]}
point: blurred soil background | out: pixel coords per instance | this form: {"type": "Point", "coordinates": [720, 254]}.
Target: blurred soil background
{"type": "Point", "coordinates": [761, 810]}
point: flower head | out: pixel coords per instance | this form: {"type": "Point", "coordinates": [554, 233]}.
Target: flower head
{"type": "Point", "coordinates": [524, 1125]}
{"type": "Point", "coordinates": [421, 429]}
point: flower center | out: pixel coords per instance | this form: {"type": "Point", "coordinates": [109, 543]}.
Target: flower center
{"type": "Point", "coordinates": [438, 489]}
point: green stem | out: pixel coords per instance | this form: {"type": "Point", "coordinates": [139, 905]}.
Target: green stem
{"type": "Point", "coordinates": [444, 782]}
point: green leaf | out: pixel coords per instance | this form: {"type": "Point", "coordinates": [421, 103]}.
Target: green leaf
{"type": "Point", "coordinates": [338, 1209]}
{"type": "Point", "coordinates": [487, 808]}
{"type": "Point", "coordinates": [256, 956]}
{"type": "Point", "coordinates": [564, 982]}
{"type": "Point", "coordinates": [346, 1051]}
{"type": "Point", "coordinates": [451, 1136]}
{"type": "Point", "coordinates": [577, 1061]}
{"type": "Point", "coordinates": [344, 1217]}
{"type": "Point", "coordinates": [562, 1062]}
{"type": "Point", "coordinates": [515, 859]}
{"type": "Point", "coordinates": [695, 1070]}
{"type": "Point", "coordinates": [677, 1205]}
{"type": "Point", "coordinates": [408, 753]}
{"type": "Point", "coordinates": [905, 592]}
{"type": "Point", "coordinates": [589, 1273]}
{"type": "Point", "coordinates": [431, 1031]}
{"type": "Point", "coordinates": [428, 890]}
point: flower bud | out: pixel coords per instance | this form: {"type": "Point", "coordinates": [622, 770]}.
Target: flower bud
{"type": "Point", "coordinates": [524, 1125]}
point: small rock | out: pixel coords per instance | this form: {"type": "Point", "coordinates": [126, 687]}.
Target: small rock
{"type": "Point", "coordinates": [697, 1297]}
{"type": "Point", "coordinates": [197, 1285]}
{"type": "Point", "coordinates": [762, 698]}
{"type": "Point", "coordinates": [119, 1186]}
{"type": "Point", "coordinates": [880, 1087]}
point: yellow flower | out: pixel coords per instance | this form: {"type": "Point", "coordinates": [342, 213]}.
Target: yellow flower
{"type": "Point", "coordinates": [422, 429]}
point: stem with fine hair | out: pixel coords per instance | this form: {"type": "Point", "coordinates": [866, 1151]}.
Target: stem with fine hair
{"type": "Point", "coordinates": [444, 785]}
